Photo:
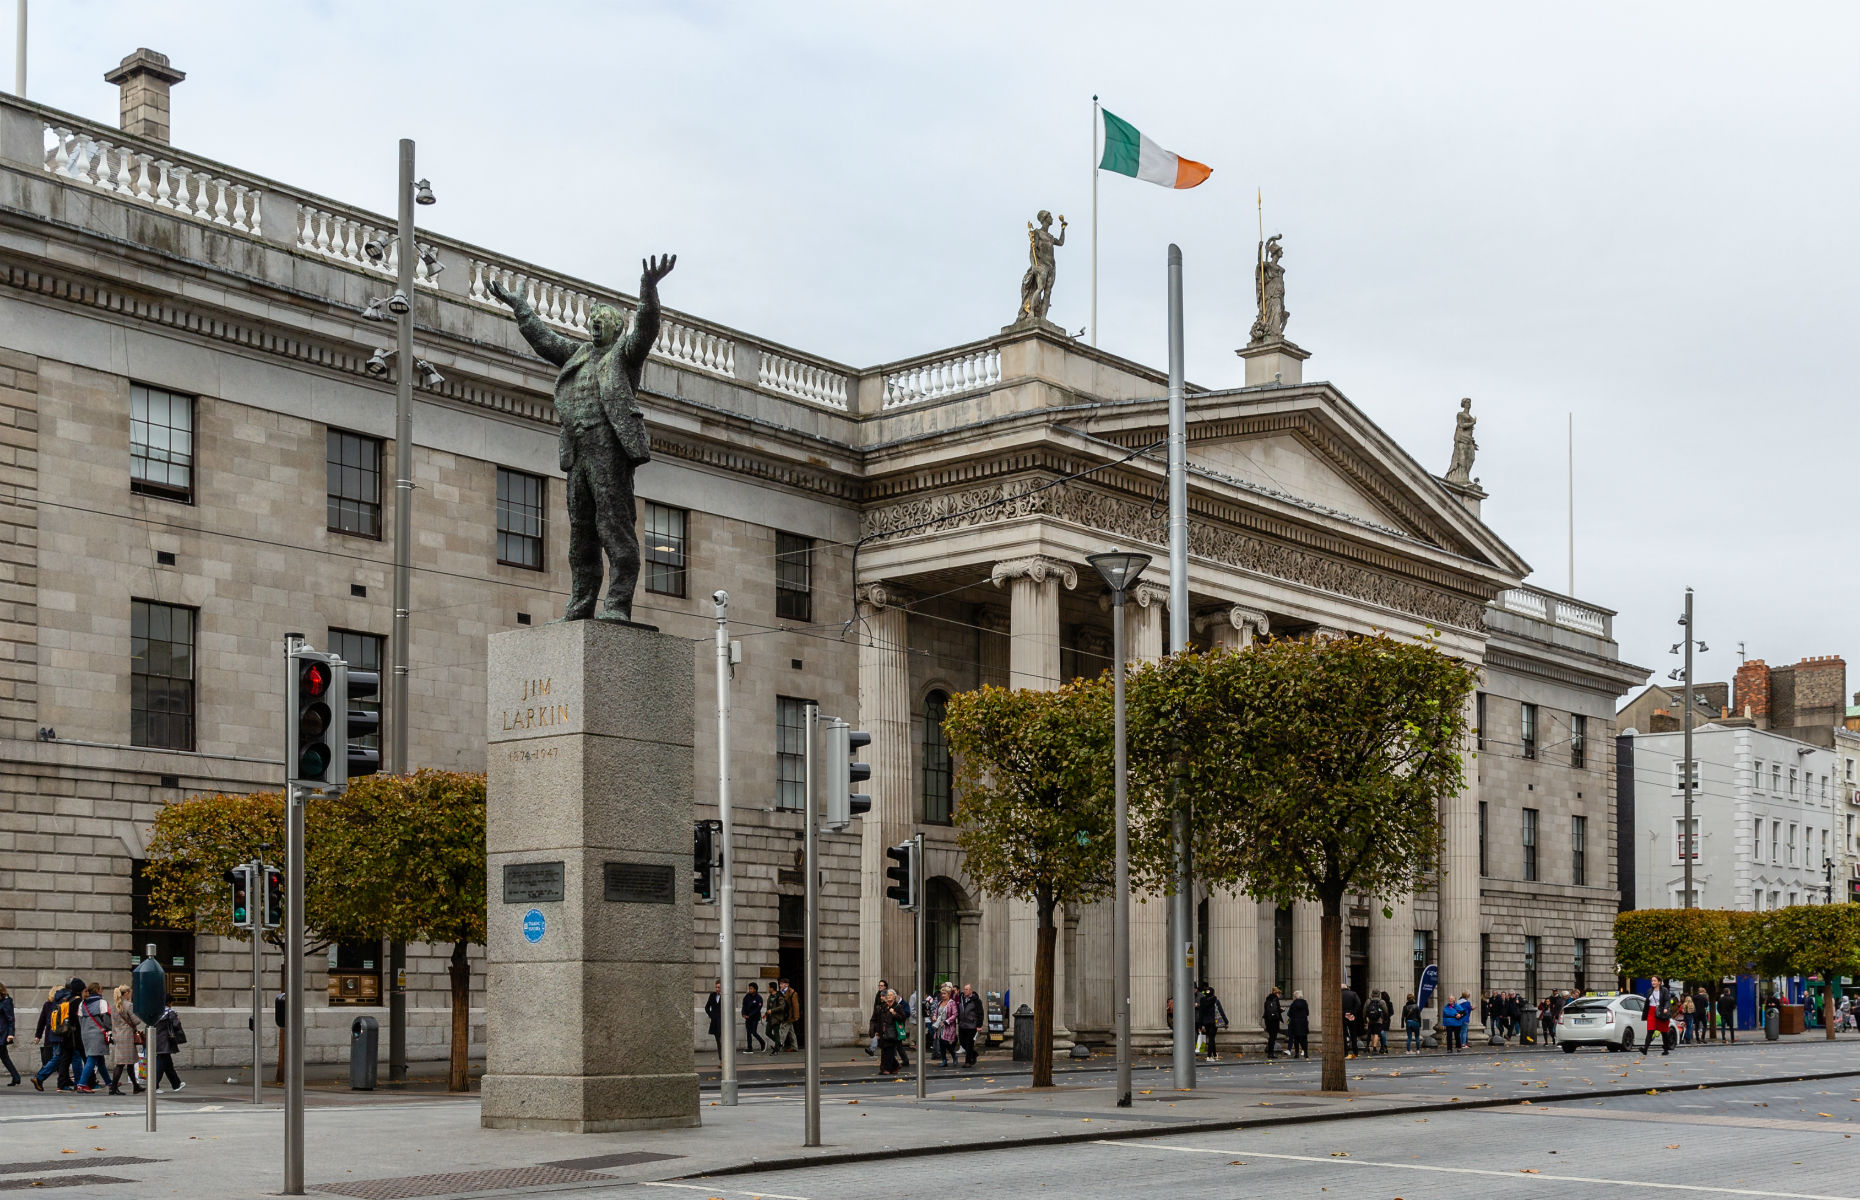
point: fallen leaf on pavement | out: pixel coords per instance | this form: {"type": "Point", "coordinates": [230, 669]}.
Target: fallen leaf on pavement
{"type": "Point", "coordinates": [1674, 1146]}
{"type": "Point", "coordinates": [1339, 1154]}
{"type": "Point", "coordinates": [1529, 1171]}
{"type": "Point", "coordinates": [1824, 1114]}
{"type": "Point", "coordinates": [1237, 1163]}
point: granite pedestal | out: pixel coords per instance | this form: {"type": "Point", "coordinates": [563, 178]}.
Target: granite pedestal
{"type": "Point", "coordinates": [588, 833]}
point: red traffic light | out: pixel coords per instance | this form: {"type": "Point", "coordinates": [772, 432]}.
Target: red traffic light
{"type": "Point", "coordinates": [315, 679]}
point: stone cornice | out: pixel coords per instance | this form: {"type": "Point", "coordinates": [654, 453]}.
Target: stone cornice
{"type": "Point", "coordinates": [1607, 675]}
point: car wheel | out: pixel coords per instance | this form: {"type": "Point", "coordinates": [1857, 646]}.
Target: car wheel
{"type": "Point", "coordinates": [1569, 1047]}
{"type": "Point", "coordinates": [1627, 1042]}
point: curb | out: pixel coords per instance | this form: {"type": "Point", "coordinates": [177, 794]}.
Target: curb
{"type": "Point", "coordinates": [798, 1162]}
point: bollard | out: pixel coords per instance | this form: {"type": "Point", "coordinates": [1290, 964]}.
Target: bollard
{"type": "Point", "coordinates": [364, 1033]}
{"type": "Point", "coordinates": [1023, 1034]}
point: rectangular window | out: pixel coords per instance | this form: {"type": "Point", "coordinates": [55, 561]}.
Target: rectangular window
{"type": "Point", "coordinates": [1479, 719]}
{"type": "Point", "coordinates": [1578, 851]}
{"type": "Point", "coordinates": [1824, 789]}
{"type": "Point", "coordinates": [1578, 740]}
{"type": "Point", "coordinates": [161, 675]}
{"type": "Point", "coordinates": [1792, 845]}
{"type": "Point", "coordinates": [364, 652]}
{"type": "Point", "coordinates": [1756, 841]}
{"type": "Point", "coordinates": [937, 807]}
{"type": "Point", "coordinates": [1792, 899]}
{"type": "Point", "coordinates": [665, 549]}
{"type": "Point", "coordinates": [1683, 846]}
{"type": "Point", "coordinates": [794, 577]}
{"type": "Point", "coordinates": [1423, 954]}
{"type": "Point", "coordinates": [1756, 777]}
{"type": "Point", "coordinates": [1530, 965]}
{"type": "Point", "coordinates": [1482, 870]}
{"type": "Point", "coordinates": [1679, 776]}
{"type": "Point", "coordinates": [1776, 778]}
{"type": "Point", "coordinates": [1580, 960]}
{"type": "Point", "coordinates": [1850, 833]}
{"type": "Point", "coordinates": [1850, 770]}
{"type": "Point", "coordinates": [791, 916]}
{"type": "Point", "coordinates": [1775, 901]}
{"type": "Point", "coordinates": [1824, 846]}
{"type": "Point", "coordinates": [1527, 726]}
{"type": "Point", "coordinates": [1282, 952]}
{"type": "Point", "coordinates": [354, 484]}
{"type": "Point", "coordinates": [1530, 845]}
{"type": "Point", "coordinates": [791, 752]}
{"type": "Point", "coordinates": [1485, 962]}
{"type": "Point", "coordinates": [161, 443]}
{"type": "Point", "coordinates": [520, 520]}
{"type": "Point", "coordinates": [1792, 775]}
{"type": "Point", "coordinates": [1776, 842]}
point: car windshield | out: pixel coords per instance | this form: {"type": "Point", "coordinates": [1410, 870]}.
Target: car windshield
{"type": "Point", "coordinates": [1597, 1005]}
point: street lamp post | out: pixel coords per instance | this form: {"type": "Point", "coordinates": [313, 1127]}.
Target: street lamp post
{"type": "Point", "coordinates": [1120, 570]}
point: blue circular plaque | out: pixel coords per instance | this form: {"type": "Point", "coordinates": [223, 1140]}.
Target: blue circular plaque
{"type": "Point", "coordinates": [534, 926]}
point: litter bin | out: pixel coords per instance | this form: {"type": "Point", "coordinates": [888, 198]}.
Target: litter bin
{"type": "Point", "coordinates": [1772, 1025]}
{"type": "Point", "coordinates": [1023, 1034]}
{"type": "Point", "coordinates": [364, 1033]}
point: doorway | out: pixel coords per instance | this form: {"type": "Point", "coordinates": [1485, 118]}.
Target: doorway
{"type": "Point", "coordinates": [1359, 959]}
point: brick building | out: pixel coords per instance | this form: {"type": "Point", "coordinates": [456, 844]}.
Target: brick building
{"type": "Point", "coordinates": [183, 362]}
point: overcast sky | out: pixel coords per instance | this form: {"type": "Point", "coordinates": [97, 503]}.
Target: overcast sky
{"type": "Point", "coordinates": [1644, 215]}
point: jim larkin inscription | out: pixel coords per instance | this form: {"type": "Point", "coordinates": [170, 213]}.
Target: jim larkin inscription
{"type": "Point", "coordinates": [534, 709]}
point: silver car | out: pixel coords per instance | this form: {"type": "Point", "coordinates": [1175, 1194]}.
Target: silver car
{"type": "Point", "coordinates": [1617, 1022]}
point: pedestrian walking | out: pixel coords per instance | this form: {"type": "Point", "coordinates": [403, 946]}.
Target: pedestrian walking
{"type": "Point", "coordinates": [1269, 1015]}
{"type": "Point", "coordinates": [8, 1027]}
{"type": "Point", "coordinates": [94, 1024]}
{"type": "Point", "coordinates": [1727, 1013]}
{"type": "Point", "coordinates": [124, 1039]}
{"type": "Point", "coordinates": [971, 1014]}
{"type": "Point", "coordinates": [1210, 1018]}
{"type": "Point", "coordinates": [752, 1019]}
{"type": "Point", "coordinates": [1298, 1027]}
{"type": "Point", "coordinates": [713, 1011]}
{"type": "Point", "coordinates": [946, 1026]}
{"type": "Point", "coordinates": [904, 1036]}
{"type": "Point", "coordinates": [1703, 1014]}
{"type": "Point", "coordinates": [1453, 1017]}
{"type": "Point", "coordinates": [58, 1034]}
{"type": "Point", "coordinates": [1411, 1025]}
{"type": "Point", "coordinates": [1376, 1023]}
{"type": "Point", "coordinates": [170, 1036]}
{"type": "Point", "coordinates": [890, 1024]}
{"type": "Point", "coordinates": [1659, 1018]}
{"type": "Point", "coordinates": [1352, 1021]}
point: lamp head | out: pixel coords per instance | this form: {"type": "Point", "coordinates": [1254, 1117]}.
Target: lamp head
{"type": "Point", "coordinates": [1120, 568]}
{"type": "Point", "coordinates": [423, 193]}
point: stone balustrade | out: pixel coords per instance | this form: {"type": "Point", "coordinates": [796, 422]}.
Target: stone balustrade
{"type": "Point", "coordinates": [159, 180]}
{"type": "Point", "coordinates": [915, 383]}
{"type": "Point", "coordinates": [803, 380]}
{"type": "Point", "coordinates": [1557, 610]}
{"type": "Point", "coordinates": [344, 238]}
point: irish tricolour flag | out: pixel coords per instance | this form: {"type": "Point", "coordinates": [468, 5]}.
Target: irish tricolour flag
{"type": "Point", "coordinates": [1131, 153]}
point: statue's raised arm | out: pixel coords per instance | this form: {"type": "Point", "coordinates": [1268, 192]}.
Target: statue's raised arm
{"type": "Point", "coordinates": [645, 329]}
{"type": "Point", "coordinates": [551, 345]}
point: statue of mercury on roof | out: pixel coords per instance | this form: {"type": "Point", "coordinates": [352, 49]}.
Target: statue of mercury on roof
{"type": "Point", "coordinates": [603, 437]}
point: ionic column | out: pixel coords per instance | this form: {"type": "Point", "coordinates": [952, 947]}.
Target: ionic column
{"type": "Point", "coordinates": [1308, 956]}
{"type": "Point", "coordinates": [1391, 951]}
{"type": "Point", "coordinates": [1233, 627]}
{"type": "Point", "coordinates": [1033, 662]}
{"type": "Point", "coordinates": [886, 933]}
{"type": "Point", "coordinates": [1232, 964]}
{"type": "Point", "coordinates": [992, 642]}
{"type": "Point", "coordinates": [1458, 935]}
{"type": "Point", "coordinates": [1146, 611]}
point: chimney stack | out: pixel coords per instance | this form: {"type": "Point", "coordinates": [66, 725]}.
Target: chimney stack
{"type": "Point", "coordinates": [145, 78]}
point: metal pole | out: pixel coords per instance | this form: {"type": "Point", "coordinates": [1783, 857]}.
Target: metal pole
{"type": "Point", "coordinates": [810, 1013]}
{"type": "Point", "coordinates": [294, 994]}
{"type": "Point", "coordinates": [917, 1010]}
{"type": "Point", "coordinates": [1685, 771]}
{"type": "Point", "coordinates": [398, 644]}
{"type": "Point", "coordinates": [1120, 921]}
{"type": "Point", "coordinates": [258, 964]}
{"type": "Point", "coordinates": [1181, 912]}
{"type": "Point", "coordinates": [150, 1039]}
{"type": "Point", "coordinates": [19, 89]}
{"type": "Point", "coordinates": [726, 908]}
{"type": "Point", "coordinates": [1096, 123]}
{"type": "Point", "coordinates": [1572, 504]}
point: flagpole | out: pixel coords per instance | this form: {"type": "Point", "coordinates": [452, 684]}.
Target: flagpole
{"type": "Point", "coordinates": [1095, 123]}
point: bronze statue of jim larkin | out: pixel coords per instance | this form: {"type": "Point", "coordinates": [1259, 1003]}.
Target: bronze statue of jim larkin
{"type": "Point", "coordinates": [603, 437]}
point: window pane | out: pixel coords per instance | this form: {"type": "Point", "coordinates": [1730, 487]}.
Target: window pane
{"type": "Point", "coordinates": [665, 549]}
{"type": "Point", "coordinates": [161, 442]}
{"type": "Point", "coordinates": [790, 752]}
{"type": "Point", "coordinates": [354, 483]}
{"type": "Point", "coordinates": [794, 570]}
{"type": "Point", "coordinates": [365, 652]}
{"type": "Point", "coordinates": [937, 808]}
{"type": "Point", "coordinates": [161, 675]}
{"type": "Point", "coordinates": [519, 519]}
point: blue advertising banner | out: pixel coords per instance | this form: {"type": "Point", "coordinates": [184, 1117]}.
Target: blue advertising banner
{"type": "Point", "coordinates": [1430, 979]}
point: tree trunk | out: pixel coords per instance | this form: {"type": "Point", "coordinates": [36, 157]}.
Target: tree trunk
{"type": "Point", "coordinates": [1044, 946]}
{"type": "Point", "coordinates": [1331, 1002]}
{"type": "Point", "coordinates": [1827, 1003]}
{"type": "Point", "coordinates": [458, 1076]}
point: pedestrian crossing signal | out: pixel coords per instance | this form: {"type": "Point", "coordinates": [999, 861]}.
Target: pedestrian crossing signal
{"type": "Point", "coordinates": [241, 896]}
{"type": "Point", "coordinates": [903, 874]}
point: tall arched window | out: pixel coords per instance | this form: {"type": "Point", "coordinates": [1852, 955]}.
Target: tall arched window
{"type": "Point", "coordinates": [942, 933]}
{"type": "Point", "coordinates": [937, 806]}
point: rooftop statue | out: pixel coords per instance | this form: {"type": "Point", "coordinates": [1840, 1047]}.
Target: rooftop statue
{"type": "Point", "coordinates": [603, 437]}
{"type": "Point", "coordinates": [1269, 280]}
{"type": "Point", "coordinates": [1036, 286]}
{"type": "Point", "coordinates": [1460, 469]}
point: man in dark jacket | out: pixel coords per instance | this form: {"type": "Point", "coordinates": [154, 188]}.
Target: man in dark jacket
{"type": "Point", "coordinates": [1702, 1025]}
{"type": "Point", "coordinates": [752, 1018]}
{"type": "Point", "coordinates": [1209, 1017]}
{"type": "Point", "coordinates": [1352, 1021]}
{"type": "Point", "coordinates": [1727, 1012]}
{"type": "Point", "coordinates": [1269, 1016]}
{"type": "Point", "coordinates": [970, 1016]}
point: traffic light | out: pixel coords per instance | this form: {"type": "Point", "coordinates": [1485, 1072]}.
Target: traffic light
{"type": "Point", "coordinates": [241, 896]}
{"type": "Point", "coordinates": [274, 897]}
{"type": "Point", "coordinates": [310, 733]}
{"type": "Point", "coordinates": [843, 804]}
{"type": "Point", "coordinates": [705, 860]}
{"type": "Point", "coordinates": [903, 874]}
{"type": "Point", "coordinates": [360, 723]}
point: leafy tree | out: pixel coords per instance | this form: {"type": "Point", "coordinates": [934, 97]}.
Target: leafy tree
{"type": "Point", "coordinates": [412, 855]}
{"type": "Point", "coordinates": [1034, 773]}
{"type": "Point", "coordinates": [1819, 939]}
{"type": "Point", "coordinates": [1311, 769]}
{"type": "Point", "coordinates": [1698, 945]}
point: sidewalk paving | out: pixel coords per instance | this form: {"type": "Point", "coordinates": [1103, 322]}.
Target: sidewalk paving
{"type": "Point", "coordinates": [223, 1148]}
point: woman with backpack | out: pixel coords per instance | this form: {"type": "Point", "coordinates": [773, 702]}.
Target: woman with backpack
{"type": "Point", "coordinates": [1376, 1021]}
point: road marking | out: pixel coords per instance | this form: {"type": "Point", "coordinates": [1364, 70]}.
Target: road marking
{"type": "Point", "coordinates": [696, 1187]}
{"type": "Point", "coordinates": [1361, 1162]}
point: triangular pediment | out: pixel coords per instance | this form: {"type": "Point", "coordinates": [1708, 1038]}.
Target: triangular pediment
{"type": "Point", "coordinates": [1283, 461]}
